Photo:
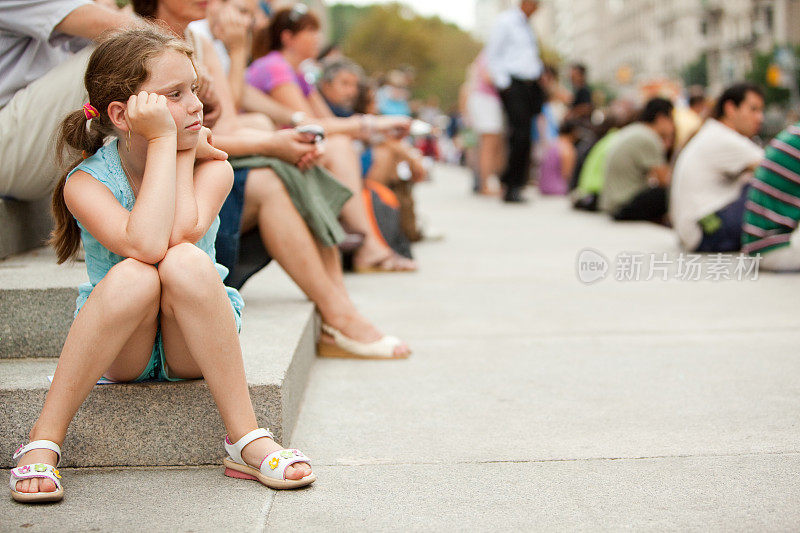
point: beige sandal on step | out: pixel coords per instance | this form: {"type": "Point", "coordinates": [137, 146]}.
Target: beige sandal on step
{"type": "Point", "coordinates": [346, 348]}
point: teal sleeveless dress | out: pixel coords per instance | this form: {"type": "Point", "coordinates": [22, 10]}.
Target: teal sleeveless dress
{"type": "Point", "coordinates": [105, 166]}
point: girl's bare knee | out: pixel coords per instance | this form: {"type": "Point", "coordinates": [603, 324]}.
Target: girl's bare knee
{"type": "Point", "coordinates": [133, 282]}
{"type": "Point", "coordinates": [186, 267]}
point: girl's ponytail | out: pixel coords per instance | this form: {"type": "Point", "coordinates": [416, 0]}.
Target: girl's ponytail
{"type": "Point", "coordinates": [116, 69]}
{"type": "Point", "coordinates": [74, 135]}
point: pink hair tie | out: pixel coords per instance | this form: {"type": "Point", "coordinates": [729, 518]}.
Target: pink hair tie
{"type": "Point", "coordinates": [90, 111]}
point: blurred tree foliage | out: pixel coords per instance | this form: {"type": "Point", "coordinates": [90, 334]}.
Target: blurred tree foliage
{"type": "Point", "coordinates": [387, 36]}
{"type": "Point", "coordinates": [696, 73]}
{"type": "Point", "coordinates": [343, 17]}
{"type": "Point", "coordinates": [758, 74]}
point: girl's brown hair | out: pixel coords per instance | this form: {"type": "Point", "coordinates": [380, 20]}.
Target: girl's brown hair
{"type": "Point", "coordinates": [295, 19]}
{"type": "Point", "coordinates": [116, 70]}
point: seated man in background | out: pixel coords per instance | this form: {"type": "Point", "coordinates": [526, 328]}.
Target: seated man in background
{"type": "Point", "coordinates": [41, 80]}
{"type": "Point", "coordinates": [339, 85]}
{"type": "Point", "coordinates": [637, 174]}
{"type": "Point", "coordinates": [772, 210]}
{"type": "Point", "coordinates": [709, 185]}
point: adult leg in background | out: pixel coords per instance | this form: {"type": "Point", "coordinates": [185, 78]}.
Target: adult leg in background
{"type": "Point", "coordinates": [28, 123]}
{"type": "Point", "coordinates": [783, 259]}
{"type": "Point", "coordinates": [519, 107]}
{"type": "Point", "coordinates": [728, 235]}
{"type": "Point", "coordinates": [649, 205]}
{"type": "Point", "coordinates": [341, 159]}
{"type": "Point", "coordinates": [289, 241]}
{"type": "Point", "coordinates": [490, 159]}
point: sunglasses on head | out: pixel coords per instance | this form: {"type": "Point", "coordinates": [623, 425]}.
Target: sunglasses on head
{"type": "Point", "coordinates": [298, 12]}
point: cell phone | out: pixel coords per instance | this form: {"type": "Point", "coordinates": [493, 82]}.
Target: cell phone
{"type": "Point", "coordinates": [313, 129]}
{"type": "Point", "coordinates": [419, 127]}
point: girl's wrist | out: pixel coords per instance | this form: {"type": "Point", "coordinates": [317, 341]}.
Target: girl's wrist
{"type": "Point", "coordinates": [165, 140]}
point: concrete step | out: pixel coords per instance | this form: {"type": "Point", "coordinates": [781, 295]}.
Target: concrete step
{"type": "Point", "coordinates": [37, 302]}
{"type": "Point", "coordinates": [23, 225]}
{"type": "Point", "coordinates": [159, 424]}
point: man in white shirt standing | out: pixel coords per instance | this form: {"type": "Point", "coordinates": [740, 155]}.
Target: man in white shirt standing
{"type": "Point", "coordinates": [709, 186]}
{"type": "Point", "coordinates": [512, 58]}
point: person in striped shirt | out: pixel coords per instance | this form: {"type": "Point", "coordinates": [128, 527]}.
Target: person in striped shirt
{"type": "Point", "coordinates": [772, 210]}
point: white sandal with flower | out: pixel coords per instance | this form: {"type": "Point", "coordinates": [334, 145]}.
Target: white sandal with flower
{"type": "Point", "coordinates": [38, 470]}
{"type": "Point", "coordinates": [273, 468]}
{"type": "Point", "coordinates": [346, 348]}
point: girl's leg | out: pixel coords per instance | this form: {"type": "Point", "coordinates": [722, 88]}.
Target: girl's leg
{"type": "Point", "coordinates": [289, 241]}
{"type": "Point", "coordinates": [200, 340]}
{"type": "Point", "coordinates": [341, 159]}
{"type": "Point", "coordinates": [112, 335]}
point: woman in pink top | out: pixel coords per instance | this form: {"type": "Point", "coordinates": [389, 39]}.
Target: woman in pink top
{"type": "Point", "coordinates": [293, 37]}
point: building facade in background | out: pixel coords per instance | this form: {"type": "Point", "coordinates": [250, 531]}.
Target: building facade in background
{"type": "Point", "coordinates": [634, 42]}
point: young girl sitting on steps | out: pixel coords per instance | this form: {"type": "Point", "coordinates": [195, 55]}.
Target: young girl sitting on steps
{"type": "Point", "coordinates": [145, 206]}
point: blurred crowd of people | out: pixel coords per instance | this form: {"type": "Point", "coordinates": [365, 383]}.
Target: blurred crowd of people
{"type": "Point", "coordinates": [690, 162]}
{"type": "Point", "coordinates": [325, 158]}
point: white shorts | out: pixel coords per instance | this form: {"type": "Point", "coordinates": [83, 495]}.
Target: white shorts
{"type": "Point", "coordinates": [486, 112]}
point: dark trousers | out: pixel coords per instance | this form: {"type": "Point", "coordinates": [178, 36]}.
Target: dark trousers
{"type": "Point", "coordinates": [722, 231]}
{"type": "Point", "coordinates": [650, 204]}
{"type": "Point", "coordinates": [242, 255]}
{"type": "Point", "coordinates": [522, 101]}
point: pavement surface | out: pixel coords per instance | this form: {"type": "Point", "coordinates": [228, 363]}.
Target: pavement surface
{"type": "Point", "coordinates": [533, 401]}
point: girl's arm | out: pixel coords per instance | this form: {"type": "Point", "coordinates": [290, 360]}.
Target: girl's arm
{"type": "Point", "coordinates": [186, 219]}
{"type": "Point", "coordinates": [201, 190]}
{"type": "Point", "coordinates": [142, 234]}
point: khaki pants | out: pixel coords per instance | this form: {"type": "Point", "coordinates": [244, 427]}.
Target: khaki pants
{"type": "Point", "coordinates": [28, 123]}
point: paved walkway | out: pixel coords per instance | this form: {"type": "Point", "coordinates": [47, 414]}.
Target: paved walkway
{"type": "Point", "coordinates": [532, 402]}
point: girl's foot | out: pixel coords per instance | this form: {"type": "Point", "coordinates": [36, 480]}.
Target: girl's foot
{"type": "Point", "coordinates": [34, 485]}
{"type": "Point", "coordinates": [255, 452]}
{"type": "Point", "coordinates": [359, 329]}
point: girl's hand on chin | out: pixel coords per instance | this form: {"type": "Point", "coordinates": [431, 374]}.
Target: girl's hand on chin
{"type": "Point", "coordinates": [205, 150]}
{"type": "Point", "coordinates": [147, 115]}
